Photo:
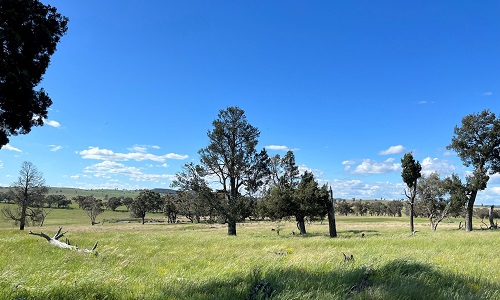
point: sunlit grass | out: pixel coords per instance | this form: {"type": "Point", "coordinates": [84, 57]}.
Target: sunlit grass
{"type": "Point", "coordinates": [199, 261]}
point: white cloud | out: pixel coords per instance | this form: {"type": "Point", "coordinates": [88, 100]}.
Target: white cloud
{"type": "Point", "coordinates": [52, 123]}
{"type": "Point", "coordinates": [1, 164]}
{"type": "Point", "coordinates": [9, 147]}
{"type": "Point", "coordinates": [372, 167]}
{"type": "Point", "coordinates": [392, 150]}
{"type": "Point", "coordinates": [422, 102]}
{"type": "Point", "coordinates": [348, 162]}
{"type": "Point", "coordinates": [488, 94]}
{"type": "Point", "coordinates": [109, 155]}
{"type": "Point", "coordinates": [280, 148]}
{"type": "Point", "coordinates": [348, 189]}
{"type": "Point", "coordinates": [140, 149]}
{"type": "Point", "coordinates": [108, 169]}
{"type": "Point", "coordinates": [431, 165]}
{"type": "Point", "coordinates": [55, 148]}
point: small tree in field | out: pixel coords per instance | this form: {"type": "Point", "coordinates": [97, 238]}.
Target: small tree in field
{"type": "Point", "coordinates": [146, 201]}
{"type": "Point", "coordinates": [431, 193]}
{"type": "Point", "coordinates": [92, 206]}
{"type": "Point", "coordinates": [410, 174]}
{"type": "Point", "coordinates": [28, 193]}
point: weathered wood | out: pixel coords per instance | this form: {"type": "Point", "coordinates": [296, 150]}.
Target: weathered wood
{"type": "Point", "coordinates": [331, 214]}
{"type": "Point", "coordinates": [491, 215]}
{"type": "Point", "coordinates": [55, 241]}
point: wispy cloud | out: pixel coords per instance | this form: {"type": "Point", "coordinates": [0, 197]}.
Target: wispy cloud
{"type": "Point", "coordinates": [139, 155]}
{"type": "Point", "coordinates": [280, 148]}
{"type": "Point", "coordinates": [9, 147]}
{"type": "Point", "coordinates": [487, 94]}
{"type": "Point", "coordinates": [52, 123]}
{"type": "Point", "coordinates": [55, 148]}
{"type": "Point", "coordinates": [392, 150]}
{"type": "Point", "coordinates": [422, 102]}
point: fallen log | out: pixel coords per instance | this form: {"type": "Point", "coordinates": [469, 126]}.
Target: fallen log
{"type": "Point", "coordinates": [56, 242]}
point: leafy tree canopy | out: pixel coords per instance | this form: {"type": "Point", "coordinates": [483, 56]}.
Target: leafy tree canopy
{"type": "Point", "coordinates": [29, 33]}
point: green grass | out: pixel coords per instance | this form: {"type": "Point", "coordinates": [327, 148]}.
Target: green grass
{"type": "Point", "coordinates": [199, 261]}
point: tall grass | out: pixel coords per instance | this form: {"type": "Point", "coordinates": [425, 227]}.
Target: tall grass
{"type": "Point", "coordinates": [199, 261]}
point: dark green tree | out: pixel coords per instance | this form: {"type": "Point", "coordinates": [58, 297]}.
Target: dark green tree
{"type": "Point", "coordinates": [146, 201]}
{"type": "Point", "coordinates": [343, 207]}
{"type": "Point", "coordinates": [113, 203]}
{"type": "Point", "coordinates": [230, 155]}
{"type": "Point", "coordinates": [277, 203]}
{"type": "Point", "coordinates": [54, 200]}
{"type": "Point", "coordinates": [309, 201]}
{"type": "Point", "coordinates": [29, 33]}
{"type": "Point", "coordinates": [170, 207]}
{"type": "Point", "coordinates": [394, 208]}
{"type": "Point", "coordinates": [28, 193]}
{"type": "Point", "coordinates": [410, 174]}
{"type": "Point", "coordinates": [477, 143]}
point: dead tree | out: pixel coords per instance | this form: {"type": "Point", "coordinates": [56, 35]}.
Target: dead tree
{"type": "Point", "coordinates": [55, 241]}
{"type": "Point", "coordinates": [491, 216]}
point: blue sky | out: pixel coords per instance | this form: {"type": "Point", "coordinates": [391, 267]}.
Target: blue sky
{"type": "Point", "coordinates": [350, 86]}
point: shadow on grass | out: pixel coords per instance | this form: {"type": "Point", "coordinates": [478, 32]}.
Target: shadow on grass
{"type": "Point", "coordinates": [398, 279]}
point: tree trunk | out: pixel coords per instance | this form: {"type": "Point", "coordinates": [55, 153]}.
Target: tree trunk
{"type": "Point", "coordinates": [470, 211]}
{"type": "Point", "coordinates": [231, 220]}
{"type": "Point", "coordinates": [412, 226]}
{"type": "Point", "coordinates": [331, 215]}
{"type": "Point", "coordinates": [22, 221]}
{"type": "Point", "coordinates": [301, 225]}
{"type": "Point", "coordinates": [231, 225]}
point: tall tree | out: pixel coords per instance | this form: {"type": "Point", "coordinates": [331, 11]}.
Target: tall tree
{"type": "Point", "coordinates": [477, 143]}
{"type": "Point", "coordinates": [229, 156]}
{"type": "Point", "coordinates": [410, 174]}
{"type": "Point", "coordinates": [29, 33]}
{"type": "Point", "coordinates": [27, 193]}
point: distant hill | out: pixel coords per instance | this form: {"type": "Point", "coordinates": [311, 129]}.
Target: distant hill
{"type": "Point", "coordinates": [98, 193]}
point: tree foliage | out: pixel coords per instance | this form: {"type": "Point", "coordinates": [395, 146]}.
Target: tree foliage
{"type": "Point", "coordinates": [477, 143]}
{"type": "Point", "coordinates": [29, 33]}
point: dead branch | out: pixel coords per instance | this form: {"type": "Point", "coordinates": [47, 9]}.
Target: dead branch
{"type": "Point", "coordinates": [55, 241]}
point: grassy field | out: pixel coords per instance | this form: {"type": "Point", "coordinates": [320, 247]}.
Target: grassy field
{"type": "Point", "coordinates": [199, 261]}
